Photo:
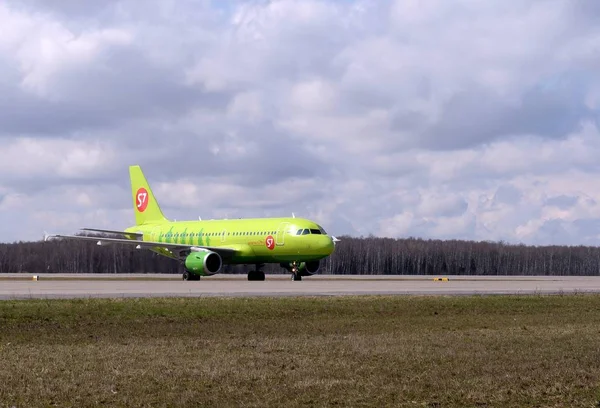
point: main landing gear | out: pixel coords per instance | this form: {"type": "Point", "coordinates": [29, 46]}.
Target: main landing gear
{"type": "Point", "coordinates": [188, 276]}
{"type": "Point", "coordinates": [256, 275]}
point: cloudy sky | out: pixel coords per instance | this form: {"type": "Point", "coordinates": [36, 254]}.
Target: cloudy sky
{"type": "Point", "coordinates": [443, 119]}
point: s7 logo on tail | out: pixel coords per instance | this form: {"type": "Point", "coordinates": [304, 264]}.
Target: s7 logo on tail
{"type": "Point", "coordinates": [142, 199]}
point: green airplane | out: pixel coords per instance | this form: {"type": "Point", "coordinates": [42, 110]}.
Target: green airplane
{"type": "Point", "coordinates": [203, 247]}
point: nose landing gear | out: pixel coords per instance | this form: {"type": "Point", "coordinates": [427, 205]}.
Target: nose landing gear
{"type": "Point", "coordinates": [296, 276]}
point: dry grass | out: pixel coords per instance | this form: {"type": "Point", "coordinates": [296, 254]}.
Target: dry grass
{"type": "Point", "coordinates": [343, 351]}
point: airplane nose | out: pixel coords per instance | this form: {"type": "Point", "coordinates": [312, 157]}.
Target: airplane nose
{"type": "Point", "coordinates": [330, 244]}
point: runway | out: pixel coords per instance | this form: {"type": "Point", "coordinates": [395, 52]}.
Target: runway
{"type": "Point", "coordinates": [22, 286]}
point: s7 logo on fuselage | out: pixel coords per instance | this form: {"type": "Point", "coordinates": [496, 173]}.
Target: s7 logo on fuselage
{"type": "Point", "coordinates": [270, 242]}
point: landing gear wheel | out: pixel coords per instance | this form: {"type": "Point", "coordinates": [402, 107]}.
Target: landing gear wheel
{"type": "Point", "coordinates": [296, 276]}
{"type": "Point", "coordinates": [188, 276]}
{"type": "Point", "coordinates": [256, 276]}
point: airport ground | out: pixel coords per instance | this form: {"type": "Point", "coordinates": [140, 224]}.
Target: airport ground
{"type": "Point", "coordinates": [368, 350]}
{"type": "Point", "coordinates": [48, 286]}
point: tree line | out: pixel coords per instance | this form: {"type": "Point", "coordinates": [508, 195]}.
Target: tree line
{"type": "Point", "coordinates": [353, 255]}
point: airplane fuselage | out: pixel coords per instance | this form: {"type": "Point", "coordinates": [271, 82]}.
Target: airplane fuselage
{"type": "Point", "coordinates": [256, 240]}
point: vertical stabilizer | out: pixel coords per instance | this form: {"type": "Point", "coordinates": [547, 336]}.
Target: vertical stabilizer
{"type": "Point", "coordinates": [145, 206]}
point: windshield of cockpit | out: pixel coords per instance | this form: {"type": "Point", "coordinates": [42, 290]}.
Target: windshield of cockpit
{"type": "Point", "coordinates": [306, 231]}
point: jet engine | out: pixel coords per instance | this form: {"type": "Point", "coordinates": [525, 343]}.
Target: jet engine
{"type": "Point", "coordinates": [203, 262]}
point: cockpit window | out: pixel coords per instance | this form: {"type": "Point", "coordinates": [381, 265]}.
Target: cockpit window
{"type": "Point", "coordinates": [306, 231]}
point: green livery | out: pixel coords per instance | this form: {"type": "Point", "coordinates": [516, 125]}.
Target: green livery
{"type": "Point", "coordinates": [203, 247]}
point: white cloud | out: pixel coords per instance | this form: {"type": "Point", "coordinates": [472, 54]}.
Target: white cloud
{"type": "Point", "coordinates": [474, 120]}
{"type": "Point", "coordinates": [30, 158]}
{"type": "Point", "coordinates": [313, 95]}
{"type": "Point", "coordinates": [247, 106]}
{"type": "Point", "coordinates": [42, 47]}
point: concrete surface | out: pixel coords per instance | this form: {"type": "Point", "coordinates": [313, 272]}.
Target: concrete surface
{"type": "Point", "coordinates": [22, 286]}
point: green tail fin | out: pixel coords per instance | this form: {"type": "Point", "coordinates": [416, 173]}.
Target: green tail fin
{"type": "Point", "coordinates": [145, 206]}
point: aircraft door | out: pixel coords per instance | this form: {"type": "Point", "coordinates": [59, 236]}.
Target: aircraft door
{"type": "Point", "coordinates": [223, 235]}
{"type": "Point", "coordinates": [281, 231]}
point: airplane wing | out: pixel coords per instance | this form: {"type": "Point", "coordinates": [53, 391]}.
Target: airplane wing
{"type": "Point", "coordinates": [181, 250]}
{"type": "Point", "coordinates": [127, 234]}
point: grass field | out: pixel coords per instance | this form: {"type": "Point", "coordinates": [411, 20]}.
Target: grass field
{"type": "Point", "coordinates": [343, 351]}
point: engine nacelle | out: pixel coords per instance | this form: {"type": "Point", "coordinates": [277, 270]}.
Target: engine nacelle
{"type": "Point", "coordinates": [305, 268]}
{"type": "Point", "coordinates": [309, 267]}
{"type": "Point", "coordinates": [203, 262]}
